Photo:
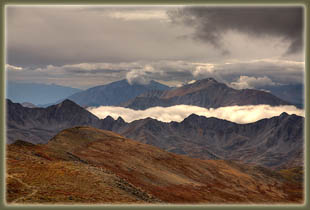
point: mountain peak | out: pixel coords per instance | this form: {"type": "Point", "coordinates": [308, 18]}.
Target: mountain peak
{"type": "Point", "coordinates": [284, 114]}
{"type": "Point", "coordinates": [192, 117]}
{"type": "Point", "coordinates": [23, 143]}
{"type": "Point", "coordinates": [120, 120]}
{"type": "Point", "coordinates": [114, 93]}
{"type": "Point", "coordinates": [192, 88]}
{"type": "Point", "coordinates": [79, 135]}
{"type": "Point", "coordinates": [12, 103]}
{"type": "Point", "coordinates": [66, 103]}
{"type": "Point", "coordinates": [203, 83]}
{"type": "Point", "coordinates": [9, 101]}
{"type": "Point", "coordinates": [209, 80]}
{"type": "Point", "coordinates": [108, 118]}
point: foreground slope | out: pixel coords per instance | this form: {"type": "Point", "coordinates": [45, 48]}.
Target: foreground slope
{"type": "Point", "coordinates": [88, 165]}
{"type": "Point", "coordinates": [204, 93]}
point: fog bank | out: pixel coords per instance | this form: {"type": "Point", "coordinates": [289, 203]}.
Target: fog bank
{"type": "Point", "coordinates": [238, 114]}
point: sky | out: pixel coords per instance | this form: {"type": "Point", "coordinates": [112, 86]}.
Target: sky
{"type": "Point", "coordinates": [85, 46]}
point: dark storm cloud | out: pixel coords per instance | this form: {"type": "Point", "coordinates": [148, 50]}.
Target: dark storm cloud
{"type": "Point", "coordinates": [39, 57]}
{"type": "Point", "coordinates": [40, 36]}
{"type": "Point", "coordinates": [212, 23]}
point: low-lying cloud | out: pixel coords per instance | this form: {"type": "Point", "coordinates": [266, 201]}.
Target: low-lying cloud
{"type": "Point", "coordinates": [139, 76]}
{"type": "Point", "coordinates": [237, 73]}
{"type": "Point", "coordinates": [238, 114]}
{"type": "Point", "coordinates": [13, 68]}
{"type": "Point", "coordinates": [252, 82]}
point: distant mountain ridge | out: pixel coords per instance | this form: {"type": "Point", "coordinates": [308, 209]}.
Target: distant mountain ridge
{"type": "Point", "coordinates": [113, 94]}
{"type": "Point", "coordinates": [206, 93]}
{"type": "Point", "coordinates": [273, 142]}
{"type": "Point", "coordinates": [293, 93]}
{"type": "Point", "coordinates": [38, 94]}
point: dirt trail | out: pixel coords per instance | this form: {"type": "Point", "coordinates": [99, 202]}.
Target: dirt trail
{"type": "Point", "coordinates": [34, 191]}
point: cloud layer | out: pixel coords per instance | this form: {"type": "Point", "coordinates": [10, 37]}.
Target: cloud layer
{"type": "Point", "coordinates": [245, 82]}
{"type": "Point", "coordinates": [240, 74]}
{"type": "Point", "coordinates": [238, 114]}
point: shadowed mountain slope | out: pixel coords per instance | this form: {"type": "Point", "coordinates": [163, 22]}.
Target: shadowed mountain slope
{"type": "Point", "coordinates": [113, 94]}
{"type": "Point", "coordinates": [274, 142]}
{"type": "Point", "coordinates": [40, 124]}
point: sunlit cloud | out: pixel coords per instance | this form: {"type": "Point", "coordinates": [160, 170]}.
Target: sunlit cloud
{"type": "Point", "coordinates": [236, 73]}
{"type": "Point", "coordinates": [238, 114]}
{"type": "Point", "coordinates": [252, 82]}
{"type": "Point", "coordinates": [137, 15]}
{"type": "Point", "coordinates": [9, 67]}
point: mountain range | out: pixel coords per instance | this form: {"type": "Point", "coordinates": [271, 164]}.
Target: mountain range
{"type": "Point", "coordinates": [63, 154]}
{"type": "Point", "coordinates": [113, 94]}
{"type": "Point", "coordinates": [84, 165]}
{"type": "Point", "coordinates": [274, 142]}
{"type": "Point", "coordinates": [204, 93]}
{"type": "Point", "coordinates": [142, 96]}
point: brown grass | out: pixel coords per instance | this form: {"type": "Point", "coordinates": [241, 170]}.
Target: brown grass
{"type": "Point", "coordinates": [87, 165]}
